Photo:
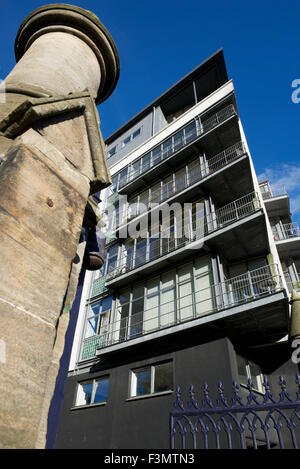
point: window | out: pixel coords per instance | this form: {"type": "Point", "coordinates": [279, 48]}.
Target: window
{"type": "Point", "coordinates": [126, 140]}
{"type": "Point", "coordinates": [92, 392]}
{"type": "Point", "coordinates": [112, 258]}
{"type": "Point", "coordinates": [123, 177]}
{"type": "Point", "coordinates": [249, 370]}
{"type": "Point", "coordinates": [132, 136]}
{"type": "Point", "coordinates": [111, 152]}
{"type": "Point", "coordinates": [175, 295]}
{"type": "Point", "coordinates": [152, 379]}
{"type": "Point", "coordinates": [98, 317]}
{"type": "Point", "coordinates": [136, 133]}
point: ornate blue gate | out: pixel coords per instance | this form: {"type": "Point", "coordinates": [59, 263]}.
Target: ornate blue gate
{"type": "Point", "coordinates": [248, 420]}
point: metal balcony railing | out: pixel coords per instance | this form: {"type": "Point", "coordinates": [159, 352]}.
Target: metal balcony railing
{"type": "Point", "coordinates": [181, 234]}
{"type": "Point", "coordinates": [244, 288]}
{"type": "Point", "coordinates": [182, 182]}
{"type": "Point", "coordinates": [272, 191]}
{"type": "Point", "coordinates": [175, 142]}
{"type": "Point", "coordinates": [287, 231]}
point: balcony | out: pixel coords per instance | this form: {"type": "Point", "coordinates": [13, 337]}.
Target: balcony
{"type": "Point", "coordinates": [287, 239]}
{"type": "Point", "coordinates": [155, 161]}
{"type": "Point", "coordinates": [254, 296]}
{"type": "Point", "coordinates": [203, 172]}
{"type": "Point", "coordinates": [170, 244]}
{"type": "Point", "coordinates": [276, 200]}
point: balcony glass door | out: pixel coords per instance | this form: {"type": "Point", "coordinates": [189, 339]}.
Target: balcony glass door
{"type": "Point", "coordinates": [204, 297]}
{"type": "Point", "coordinates": [151, 313]}
{"type": "Point", "coordinates": [167, 303]}
{"type": "Point", "coordinates": [185, 291]}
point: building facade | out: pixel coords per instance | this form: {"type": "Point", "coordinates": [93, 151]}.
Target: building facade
{"type": "Point", "coordinates": [200, 262]}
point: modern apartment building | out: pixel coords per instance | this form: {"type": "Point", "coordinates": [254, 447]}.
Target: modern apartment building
{"type": "Point", "coordinates": [200, 260]}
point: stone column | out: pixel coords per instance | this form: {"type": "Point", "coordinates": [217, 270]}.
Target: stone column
{"type": "Point", "coordinates": [54, 160]}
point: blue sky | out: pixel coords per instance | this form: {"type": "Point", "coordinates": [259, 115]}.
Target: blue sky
{"type": "Point", "coordinates": [162, 40]}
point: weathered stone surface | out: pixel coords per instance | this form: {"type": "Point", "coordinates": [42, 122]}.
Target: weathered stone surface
{"type": "Point", "coordinates": [28, 341]}
{"type": "Point", "coordinates": [72, 124]}
{"type": "Point", "coordinates": [40, 223]}
{"type": "Point", "coordinates": [53, 159]}
{"type": "Point", "coordinates": [59, 344]}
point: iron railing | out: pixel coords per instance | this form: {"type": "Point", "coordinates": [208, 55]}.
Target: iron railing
{"type": "Point", "coordinates": [246, 421]}
{"type": "Point", "coordinates": [272, 191]}
{"type": "Point", "coordinates": [241, 289]}
{"type": "Point", "coordinates": [181, 234]}
{"type": "Point", "coordinates": [181, 182]}
{"type": "Point", "coordinates": [175, 142]}
{"type": "Point", "coordinates": [287, 231]}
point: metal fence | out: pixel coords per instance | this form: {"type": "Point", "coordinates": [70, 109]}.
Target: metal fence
{"type": "Point", "coordinates": [175, 142]}
{"type": "Point", "coordinates": [223, 295]}
{"type": "Point", "coordinates": [287, 231]}
{"type": "Point", "coordinates": [271, 191]}
{"type": "Point", "coordinates": [247, 420]}
{"type": "Point", "coordinates": [181, 182]}
{"type": "Point", "coordinates": [171, 237]}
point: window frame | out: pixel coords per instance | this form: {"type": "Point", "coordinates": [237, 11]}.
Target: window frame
{"type": "Point", "coordinates": [152, 367]}
{"type": "Point", "coordinates": [94, 383]}
{"type": "Point", "coordinates": [100, 316]}
{"type": "Point", "coordinates": [111, 152]}
{"type": "Point", "coordinates": [136, 133]}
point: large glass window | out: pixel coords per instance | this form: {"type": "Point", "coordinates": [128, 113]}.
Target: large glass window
{"type": "Point", "coordinates": [123, 313]}
{"type": "Point", "coordinates": [136, 169]}
{"type": "Point", "coordinates": [194, 171]}
{"type": "Point", "coordinates": [123, 177]}
{"type": "Point", "coordinates": [112, 258]}
{"type": "Point", "coordinates": [190, 132]}
{"type": "Point", "coordinates": [156, 193]}
{"type": "Point", "coordinates": [167, 148]}
{"type": "Point", "coordinates": [144, 201]}
{"type": "Point", "coordinates": [140, 252]}
{"type": "Point", "coordinates": [146, 162]}
{"type": "Point", "coordinates": [136, 321]}
{"type": "Point", "coordinates": [204, 299]}
{"type": "Point", "coordinates": [92, 320]}
{"type": "Point", "coordinates": [180, 179]}
{"type": "Point", "coordinates": [156, 155]}
{"type": "Point", "coordinates": [98, 317]}
{"type": "Point", "coordinates": [151, 313]}
{"type": "Point", "coordinates": [176, 295]}
{"type": "Point", "coordinates": [92, 392]}
{"type": "Point", "coordinates": [133, 207]}
{"type": "Point", "coordinates": [128, 253]}
{"type": "Point", "coordinates": [152, 379]}
{"type": "Point", "coordinates": [168, 297]}
{"type": "Point", "coordinates": [185, 292]}
{"type": "Point", "coordinates": [199, 222]}
{"type": "Point", "coordinates": [168, 187]}
{"type": "Point", "coordinates": [178, 140]}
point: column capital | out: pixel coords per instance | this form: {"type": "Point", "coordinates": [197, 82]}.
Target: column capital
{"type": "Point", "coordinates": [60, 17]}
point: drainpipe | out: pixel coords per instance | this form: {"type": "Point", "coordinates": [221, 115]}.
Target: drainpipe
{"type": "Point", "coordinates": [53, 161]}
